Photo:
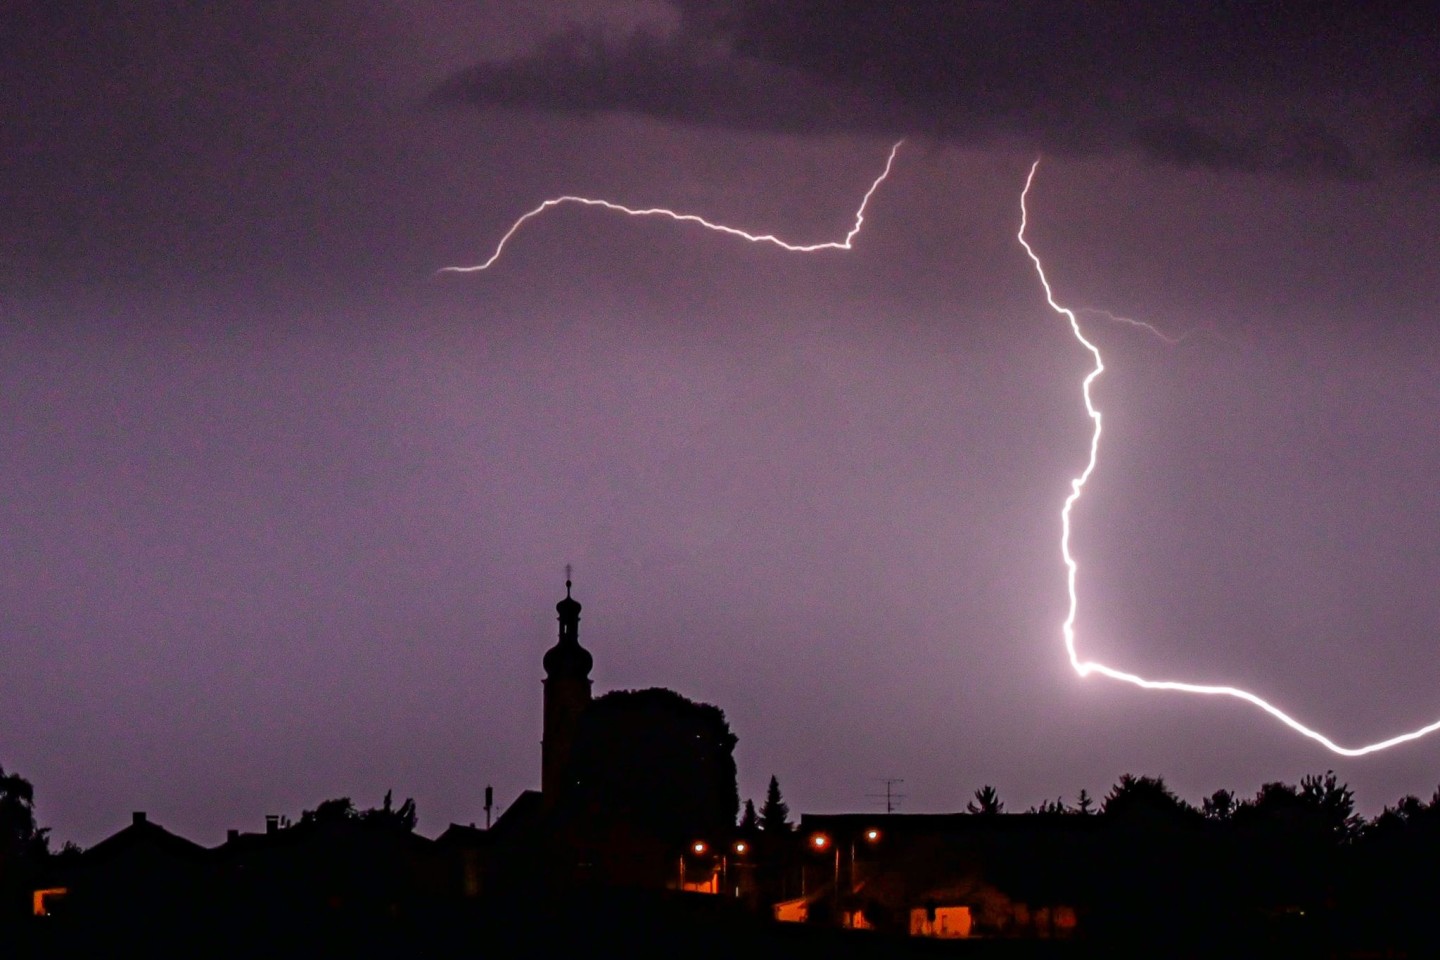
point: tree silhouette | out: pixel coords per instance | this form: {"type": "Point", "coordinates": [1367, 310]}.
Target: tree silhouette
{"type": "Point", "coordinates": [22, 844]}
{"type": "Point", "coordinates": [1145, 798]}
{"type": "Point", "coordinates": [1050, 808]}
{"type": "Point", "coordinates": [19, 837]}
{"type": "Point", "coordinates": [775, 814]}
{"type": "Point", "coordinates": [987, 802]}
{"type": "Point", "coordinates": [1219, 806]}
{"type": "Point", "coordinates": [775, 854]}
{"type": "Point", "coordinates": [1334, 803]}
{"type": "Point", "coordinates": [1084, 803]}
{"type": "Point", "coordinates": [654, 762]}
{"type": "Point", "coordinates": [328, 812]}
{"type": "Point", "coordinates": [1320, 806]}
{"type": "Point", "coordinates": [17, 810]}
{"type": "Point", "coordinates": [1409, 813]}
{"type": "Point", "coordinates": [749, 820]}
{"type": "Point", "coordinates": [402, 819]}
{"type": "Point", "coordinates": [342, 810]}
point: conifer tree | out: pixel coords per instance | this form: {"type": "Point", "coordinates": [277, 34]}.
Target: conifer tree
{"type": "Point", "coordinates": [987, 801]}
{"type": "Point", "coordinates": [775, 814]}
{"type": "Point", "coordinates": [749, 820]}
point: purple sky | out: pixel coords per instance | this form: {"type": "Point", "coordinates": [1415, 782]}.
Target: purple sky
{"type": "Point", "coordinates": [286, 516]}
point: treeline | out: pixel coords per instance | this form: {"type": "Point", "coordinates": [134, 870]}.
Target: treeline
{"type": "Point", "coordinates": [1319, 803]}
{"type": "Point", "coordinates": [1293, 866]}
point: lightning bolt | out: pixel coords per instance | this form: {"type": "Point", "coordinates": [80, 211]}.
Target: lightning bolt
{"type": "Point", "coordinates": [1085, 667]}
{"type": "Point", "coordinates": [1173, 340]}
{"type": "Point", "coordinates": [690, 218]}
{"type": "Point", "coordinates": [1149, 328]}
{"type": "Point", "coordinates": [1081, 666]}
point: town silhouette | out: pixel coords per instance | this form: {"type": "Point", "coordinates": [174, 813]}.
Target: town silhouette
{"type": "Point", "coordinates": [637, 843]}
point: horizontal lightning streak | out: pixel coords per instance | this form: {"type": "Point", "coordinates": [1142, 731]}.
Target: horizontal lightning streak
{"type": "Point", "coordinates": [1086, 667]}
{"type": "Point", "coordinates": [1173, 340]}
{"type": "Point", "coordinates": [1143, 325]}
{"type": "Point", "coordinates": [690, 218]}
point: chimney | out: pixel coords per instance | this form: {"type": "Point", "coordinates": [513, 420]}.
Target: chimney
{"type": "Point", "coordinates": [137, 818]}
{"type": "Point", "coordinates": [232, 835]}
{"type": "Point", "coordinates": [272, 823]}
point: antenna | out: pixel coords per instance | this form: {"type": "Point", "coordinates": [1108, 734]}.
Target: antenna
{"type": "Point", "coordinates": [891, 796]}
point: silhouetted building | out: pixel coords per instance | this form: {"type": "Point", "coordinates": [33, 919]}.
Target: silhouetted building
{"type": "Point", "coordinates": [567, 694]}
{"type": "Point", "coordinates": [948, 875]}
{"type": "Point", "coordinates": [140, 871]}
{"type": "Point", "coordinates": [630, 782]}
{"type": "Point", "coordinates": [637, 811]}
{"type": "Point", "coordinates": [342, 866]}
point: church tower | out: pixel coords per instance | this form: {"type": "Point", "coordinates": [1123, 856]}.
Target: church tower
{"type": "Point", "coordinates": [567, 694]}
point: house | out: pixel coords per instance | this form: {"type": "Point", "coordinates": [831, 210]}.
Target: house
{"type": "Point", "coordinates": [139, 871]}
{"type": "Point", "coordinates": [949, 875]}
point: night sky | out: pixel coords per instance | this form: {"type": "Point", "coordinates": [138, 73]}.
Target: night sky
{"type": "Point", "coordinates": [286, 514]}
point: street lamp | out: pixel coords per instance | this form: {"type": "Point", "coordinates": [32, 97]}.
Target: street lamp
{"type": "Point", "coordinates": [739, 848]}
{"type": "Point", "coordinates": [820, 842]}
{"type": "Point", "coordinates": [870, 836]}
{"type": "Point", "coordinates": [698, 848]}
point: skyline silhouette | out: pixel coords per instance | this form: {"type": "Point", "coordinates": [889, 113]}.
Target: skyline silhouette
{"type": "Point", "coordinates": [636, 821]}
{"type": "Point", "coordinates": [284, 511]}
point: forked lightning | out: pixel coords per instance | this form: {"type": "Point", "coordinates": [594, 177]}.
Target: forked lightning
{"type": "Point", "coordinates": [1082, 666]}
{"type": "Point", "coordinates": [1077, 486]}
{"type": "Point", "coordinates": [692, 218]}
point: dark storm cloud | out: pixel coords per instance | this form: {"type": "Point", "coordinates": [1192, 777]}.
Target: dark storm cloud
{"type": "Point", "coordinates": [1305, 148]}
{"type": "Point", "coordinates": [583, 72]}
{"type": "Point", "coordinates": [133, 132]}
{"type": "Point", "coordinates": [1250, 86]}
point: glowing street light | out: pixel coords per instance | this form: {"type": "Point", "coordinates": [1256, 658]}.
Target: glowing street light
{"type": "Point", "coordinates": [699, 848]}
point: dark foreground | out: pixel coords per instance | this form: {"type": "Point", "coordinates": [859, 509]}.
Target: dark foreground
{"type": "Point", "coordinates": [594, 925]}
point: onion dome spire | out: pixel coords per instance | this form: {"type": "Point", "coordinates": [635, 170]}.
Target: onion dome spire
{"type": "Point", "coordinates": [567, 657]}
